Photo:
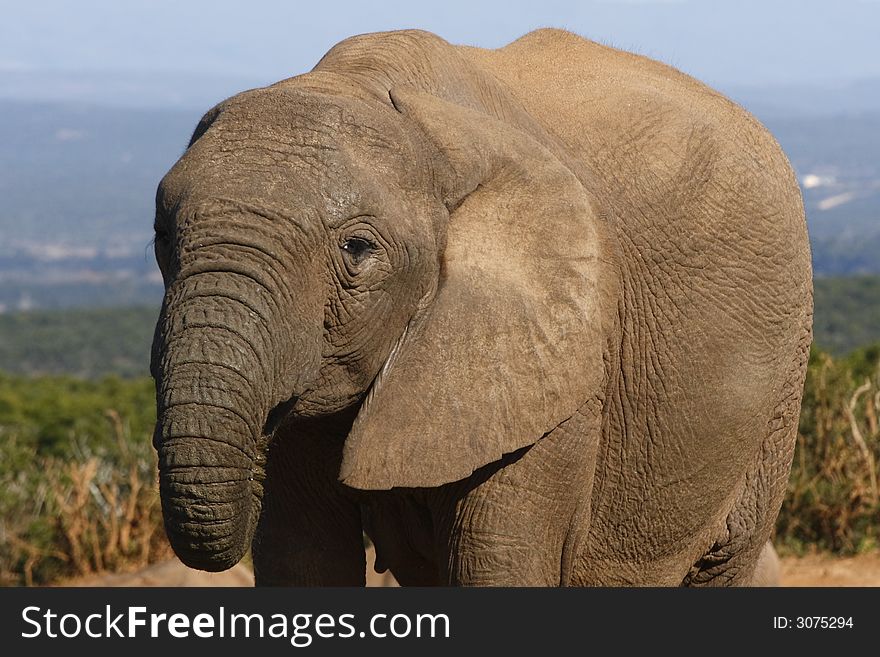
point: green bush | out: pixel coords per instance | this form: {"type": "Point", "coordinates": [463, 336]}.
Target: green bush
{"type": "Point", "coordinates": [77, 478]}
{"type": "Point", "coordinates": [847, 313]}
{"type": "Point", "coordinates": [832, 500]}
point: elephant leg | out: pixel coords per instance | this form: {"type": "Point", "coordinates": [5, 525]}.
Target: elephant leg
{"type": "Point", "coordinates": [309, 533]}
{"type": "Point", "coordinates": [767, 570]}
{"type": "Point", "coordinates": [742, 554]}
{"type": "Point", "coordinates": [402, 532]}
{"type": "Point", "coordinates": [522, 521]}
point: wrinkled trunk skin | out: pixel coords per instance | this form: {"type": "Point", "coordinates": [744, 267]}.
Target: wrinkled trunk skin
{"type": "Point", "coordinates": [210, 494]}
{"type": "Point", "coordinates": [214, 377]}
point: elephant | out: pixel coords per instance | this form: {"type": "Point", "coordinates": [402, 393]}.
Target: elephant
{"type": "Point", "coordinates": [529, 316]}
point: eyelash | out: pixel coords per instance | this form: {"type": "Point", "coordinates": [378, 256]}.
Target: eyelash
{"type": "Point", "coordinates": [358, 248]}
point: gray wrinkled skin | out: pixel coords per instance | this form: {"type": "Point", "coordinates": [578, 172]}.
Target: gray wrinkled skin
{"type": "Point", "coordinates": [530, 316]}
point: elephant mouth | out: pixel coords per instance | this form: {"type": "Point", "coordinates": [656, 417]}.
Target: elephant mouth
{"type": "Point", "coordinates": [278, 416]}
{"type": "Point", "coordinates": [314, 403]}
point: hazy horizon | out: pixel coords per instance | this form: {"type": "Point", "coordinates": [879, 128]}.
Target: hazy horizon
{"type": "Point", "coordinates": [720, 42]}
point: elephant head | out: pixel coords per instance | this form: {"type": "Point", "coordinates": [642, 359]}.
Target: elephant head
{"type": "Point", "coordinates": [427, 263]}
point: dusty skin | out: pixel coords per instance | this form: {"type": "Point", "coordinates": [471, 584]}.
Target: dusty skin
{"type": "Point", "coordinates": [534, 316]}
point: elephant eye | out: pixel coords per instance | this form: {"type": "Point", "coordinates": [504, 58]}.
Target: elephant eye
{"type": "Point", "coordinates": [357, 249]}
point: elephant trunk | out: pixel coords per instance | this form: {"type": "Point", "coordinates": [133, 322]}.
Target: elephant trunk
{"type": "Point", "coordinates": [210, 468]}
{"type": "Point", "coordinates": [217, 368]}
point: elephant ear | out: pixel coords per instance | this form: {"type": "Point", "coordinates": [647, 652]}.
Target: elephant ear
{"type": "Point", "coordinates": [513, 342]}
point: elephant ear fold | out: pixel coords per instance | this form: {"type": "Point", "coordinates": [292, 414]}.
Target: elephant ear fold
{"type": "Point", "coordinates": [513, 342]}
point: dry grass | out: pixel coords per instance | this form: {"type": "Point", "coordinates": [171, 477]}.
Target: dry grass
{"type": "Point", "coordinates": [833, 502]}
{"type": "Point", "coordinates": [82, 517]}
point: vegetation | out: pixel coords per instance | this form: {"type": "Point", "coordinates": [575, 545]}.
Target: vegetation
{"type": "Point", "coordinates": [833, 501]}
{"type": "Point", "coordinates": [847, 313]}
{"type": "Point", "coordinates": [91, 343]}
{"type": "Point", "coordinates": [77, 478]}
{"type": "Point", "coordinates": [83, 343]}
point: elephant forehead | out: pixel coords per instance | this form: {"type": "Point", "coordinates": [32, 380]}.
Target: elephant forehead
{"type": "Point", "coordinates": [259, 171]}
{"type": "Point", "coordinates": [303, 155]}
{"type": "Point", "coordinates": [313, 120]}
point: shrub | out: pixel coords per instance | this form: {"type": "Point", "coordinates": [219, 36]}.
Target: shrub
{"type": "Point", "coordinates": [832, 499]}
{"type": "Point", "coordinates": [78, 490]}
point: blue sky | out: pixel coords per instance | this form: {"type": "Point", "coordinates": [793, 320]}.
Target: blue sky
{"type": "Point", "coordinates": [722, 42]}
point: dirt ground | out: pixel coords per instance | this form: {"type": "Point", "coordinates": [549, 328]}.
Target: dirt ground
{"type": "Point", "coordinates": [814, 570]}
{"type": "Point", "coordinates": [821, 570]}
{"type": "Point", "coordinates": [174, 573]}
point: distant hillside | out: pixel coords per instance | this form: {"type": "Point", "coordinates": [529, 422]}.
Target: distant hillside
{"type": "Point", "coordinates": [838, 162]}
{"type": "Point", "coordinates": [78, 184]}
{"type": "Point", "coordinates": [84, 175]}
{"type": "Point", "coordinates": [822, 99]}
{"type": "Point", "coordinates": [83, 343]}
{"type": "Point", "coordinates": [137, 90]}
{"type": "Point", "coordinates": [56, 288]}
{"type": "Point", "coordinates": [847, 313]}
{"type": "Point", "coordinates": [90, 343]}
